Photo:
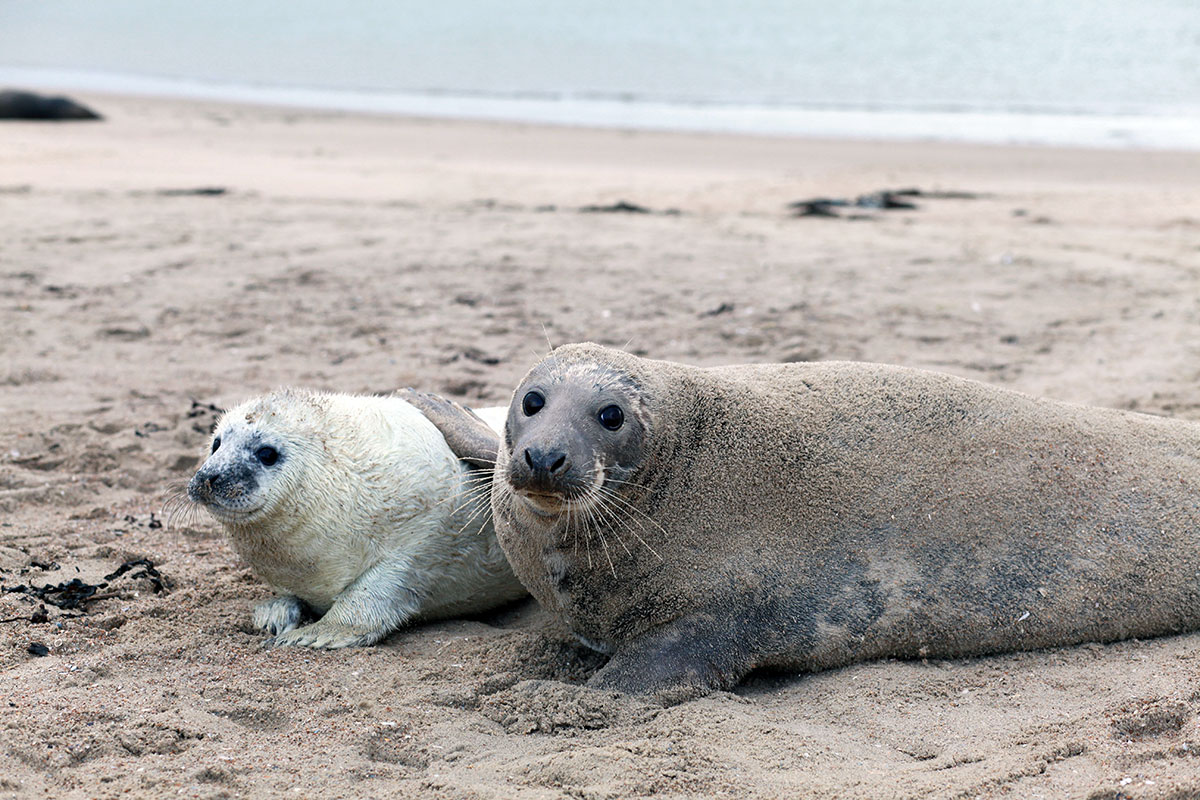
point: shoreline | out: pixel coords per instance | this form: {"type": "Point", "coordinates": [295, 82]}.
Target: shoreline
{"type": "Point", "coordinates": [1103, 130]}
{"type": "Point", "coordinates": [381, 157]}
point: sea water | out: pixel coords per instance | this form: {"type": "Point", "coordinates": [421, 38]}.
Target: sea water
{"type": "Point", "coordinates": [1087, 72]}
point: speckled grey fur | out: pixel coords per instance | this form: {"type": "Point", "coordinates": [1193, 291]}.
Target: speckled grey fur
{"type": "Point", "coordinates": [806, 516]}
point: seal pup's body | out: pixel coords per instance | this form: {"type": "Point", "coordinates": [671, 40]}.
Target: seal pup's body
{"type": "Point", "coordinates": [356, 507]}
{"type": "Point", "coordinates": [807, 516]}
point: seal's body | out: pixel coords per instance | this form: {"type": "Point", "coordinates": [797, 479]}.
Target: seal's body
{"type": "Point", "coordinates": [355, 507]}
{"type": "Point", "coordinates": [806, 516]}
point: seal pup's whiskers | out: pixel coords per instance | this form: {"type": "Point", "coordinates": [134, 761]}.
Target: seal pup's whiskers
{"type": "Point", "coordinates": [178, 510]}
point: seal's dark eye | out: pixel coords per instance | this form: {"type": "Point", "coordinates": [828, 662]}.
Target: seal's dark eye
{"type": "Point", "coordinates": [532, 403]}
{"type": "Point", "coordinates": [216, 444]}
{"type": "Point", "coordinates": [267, 455]}
{"type": "Point", "coordinates": [611, 417]}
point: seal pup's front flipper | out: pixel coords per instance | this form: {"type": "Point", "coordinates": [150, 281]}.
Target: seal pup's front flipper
{"type": "Point", "coordinates": [370, 608]}
{"type": "Point", "coordinates": [468, 436]}
{"type": "Point", "coordinates": [279, 614]}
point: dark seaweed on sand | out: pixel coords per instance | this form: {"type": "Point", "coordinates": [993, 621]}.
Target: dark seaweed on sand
{"type": "Point", "coordinates": [157, 582]}
{"type": "Point", "coordinates": [75, 594]}
{"type": "Point", "coordinates": [883, 200]}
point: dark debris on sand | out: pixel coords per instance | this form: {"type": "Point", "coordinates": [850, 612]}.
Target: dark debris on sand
{"type": "Point", "coordinates": [158, 583]}
{"type": "Point", "coordinates": [76, 594]}
{"type": "Point", "coordinates": [205, 416]}
{"type": "Point", "coordinates": [883, 200]}
{"type": "Point", "coordinates": [196, 191]}
{"type": "Point", "coordinates": [625, 207]}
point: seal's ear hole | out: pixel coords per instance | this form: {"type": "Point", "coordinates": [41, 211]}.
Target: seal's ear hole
{"type": "Point", "coordinates": [267, 455]}
{"type": "Point", "coordinates": [532, 403]}
{"type": "Point", "coordinates": [611, 417]}
{"type": "Point", "coordinates": [216, 444]}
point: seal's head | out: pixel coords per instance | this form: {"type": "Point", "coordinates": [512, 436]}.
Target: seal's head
{"type": "Point", "coordinates": [576, 433]}
{"type": "Point", "coordinates": [252, 461]}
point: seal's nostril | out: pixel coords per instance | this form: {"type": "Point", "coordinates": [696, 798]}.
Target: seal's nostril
{"type": "Point", "coordinates": [543, 463]}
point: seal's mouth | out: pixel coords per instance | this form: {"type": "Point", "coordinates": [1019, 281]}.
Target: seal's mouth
{"type": "Point", "coordinates": [552, 501]}
{"type": "Point", "coordinates": [228, 502]}
{"type": "Point", "coordinates": [232, 514]}
{"type": "Point", "coordinates": [544, 503]}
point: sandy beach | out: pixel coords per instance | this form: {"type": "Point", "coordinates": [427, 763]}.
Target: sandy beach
{"type": "Point", "coordinates": [179, 257]}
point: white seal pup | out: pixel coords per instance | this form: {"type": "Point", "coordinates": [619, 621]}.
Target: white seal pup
{"type": "Point", "coordinates": [700, 523]}
{"type": "Point", "coordinates": [355, 507]}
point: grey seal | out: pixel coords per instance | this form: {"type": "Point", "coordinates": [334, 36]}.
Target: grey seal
{"type": "Point", "coordinates": [700, 523]}
{"type": "Point", "coordinates": [31, 106]}
{"type": "Point", "coordinates": [353, 507]}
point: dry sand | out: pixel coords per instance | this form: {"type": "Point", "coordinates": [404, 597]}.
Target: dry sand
{"type": "Point", "coordinates": [365, 253]}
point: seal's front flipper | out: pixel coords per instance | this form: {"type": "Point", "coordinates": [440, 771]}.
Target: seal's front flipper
{"type": "Point", "coordinates": [367, 610]}
{"type": "Point", "coordinates": [468, 436]}
{"type": "Point", "coordinates": [675, 662]}
{"type": "Point", "coordinates": [279, 614]}
{"type": "Point", "coordinates": [330, 634]}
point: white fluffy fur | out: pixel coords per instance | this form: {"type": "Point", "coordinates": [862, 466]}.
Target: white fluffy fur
{"type": "Point", "coordinates": [367, 517]}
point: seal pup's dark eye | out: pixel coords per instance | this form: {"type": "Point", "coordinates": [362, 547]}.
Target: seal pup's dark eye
{"type": "Point", "coordinates": [611, 417]}
{"type": "Point", "coordinates": [216, 443]}
{"type": "Point", "coordinates": [532, 403]}
{"type": "Point", "coordinates": [267, 455]}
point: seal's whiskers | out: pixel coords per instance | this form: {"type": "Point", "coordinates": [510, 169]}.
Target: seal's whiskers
{"type": "Point", "coordinates": [470, 489]}
{"type": "Point", "coordinates": [629, 510]}
{"type": "Point", "coordinates": [603, 542]}
{"type": "Point", "coordinates": [179, 510]}
{"type": "Point", "coordinates": [482, 511]}
{"type": "Point", "coordinates": [605, 516]}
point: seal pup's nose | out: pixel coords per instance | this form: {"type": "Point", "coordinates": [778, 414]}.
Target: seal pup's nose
{"type": "Point", "coordinates": [542, 462]}
{"type": "Point", "coordinates": [200, 487]}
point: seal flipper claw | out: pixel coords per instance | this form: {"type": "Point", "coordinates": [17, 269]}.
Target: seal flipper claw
{"type": "Point", "coordinates": [279, 614]}
{"type": "Point", "coordinates": [468, 436]}
{"type": "Point", "coordinates": [329, 635]}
